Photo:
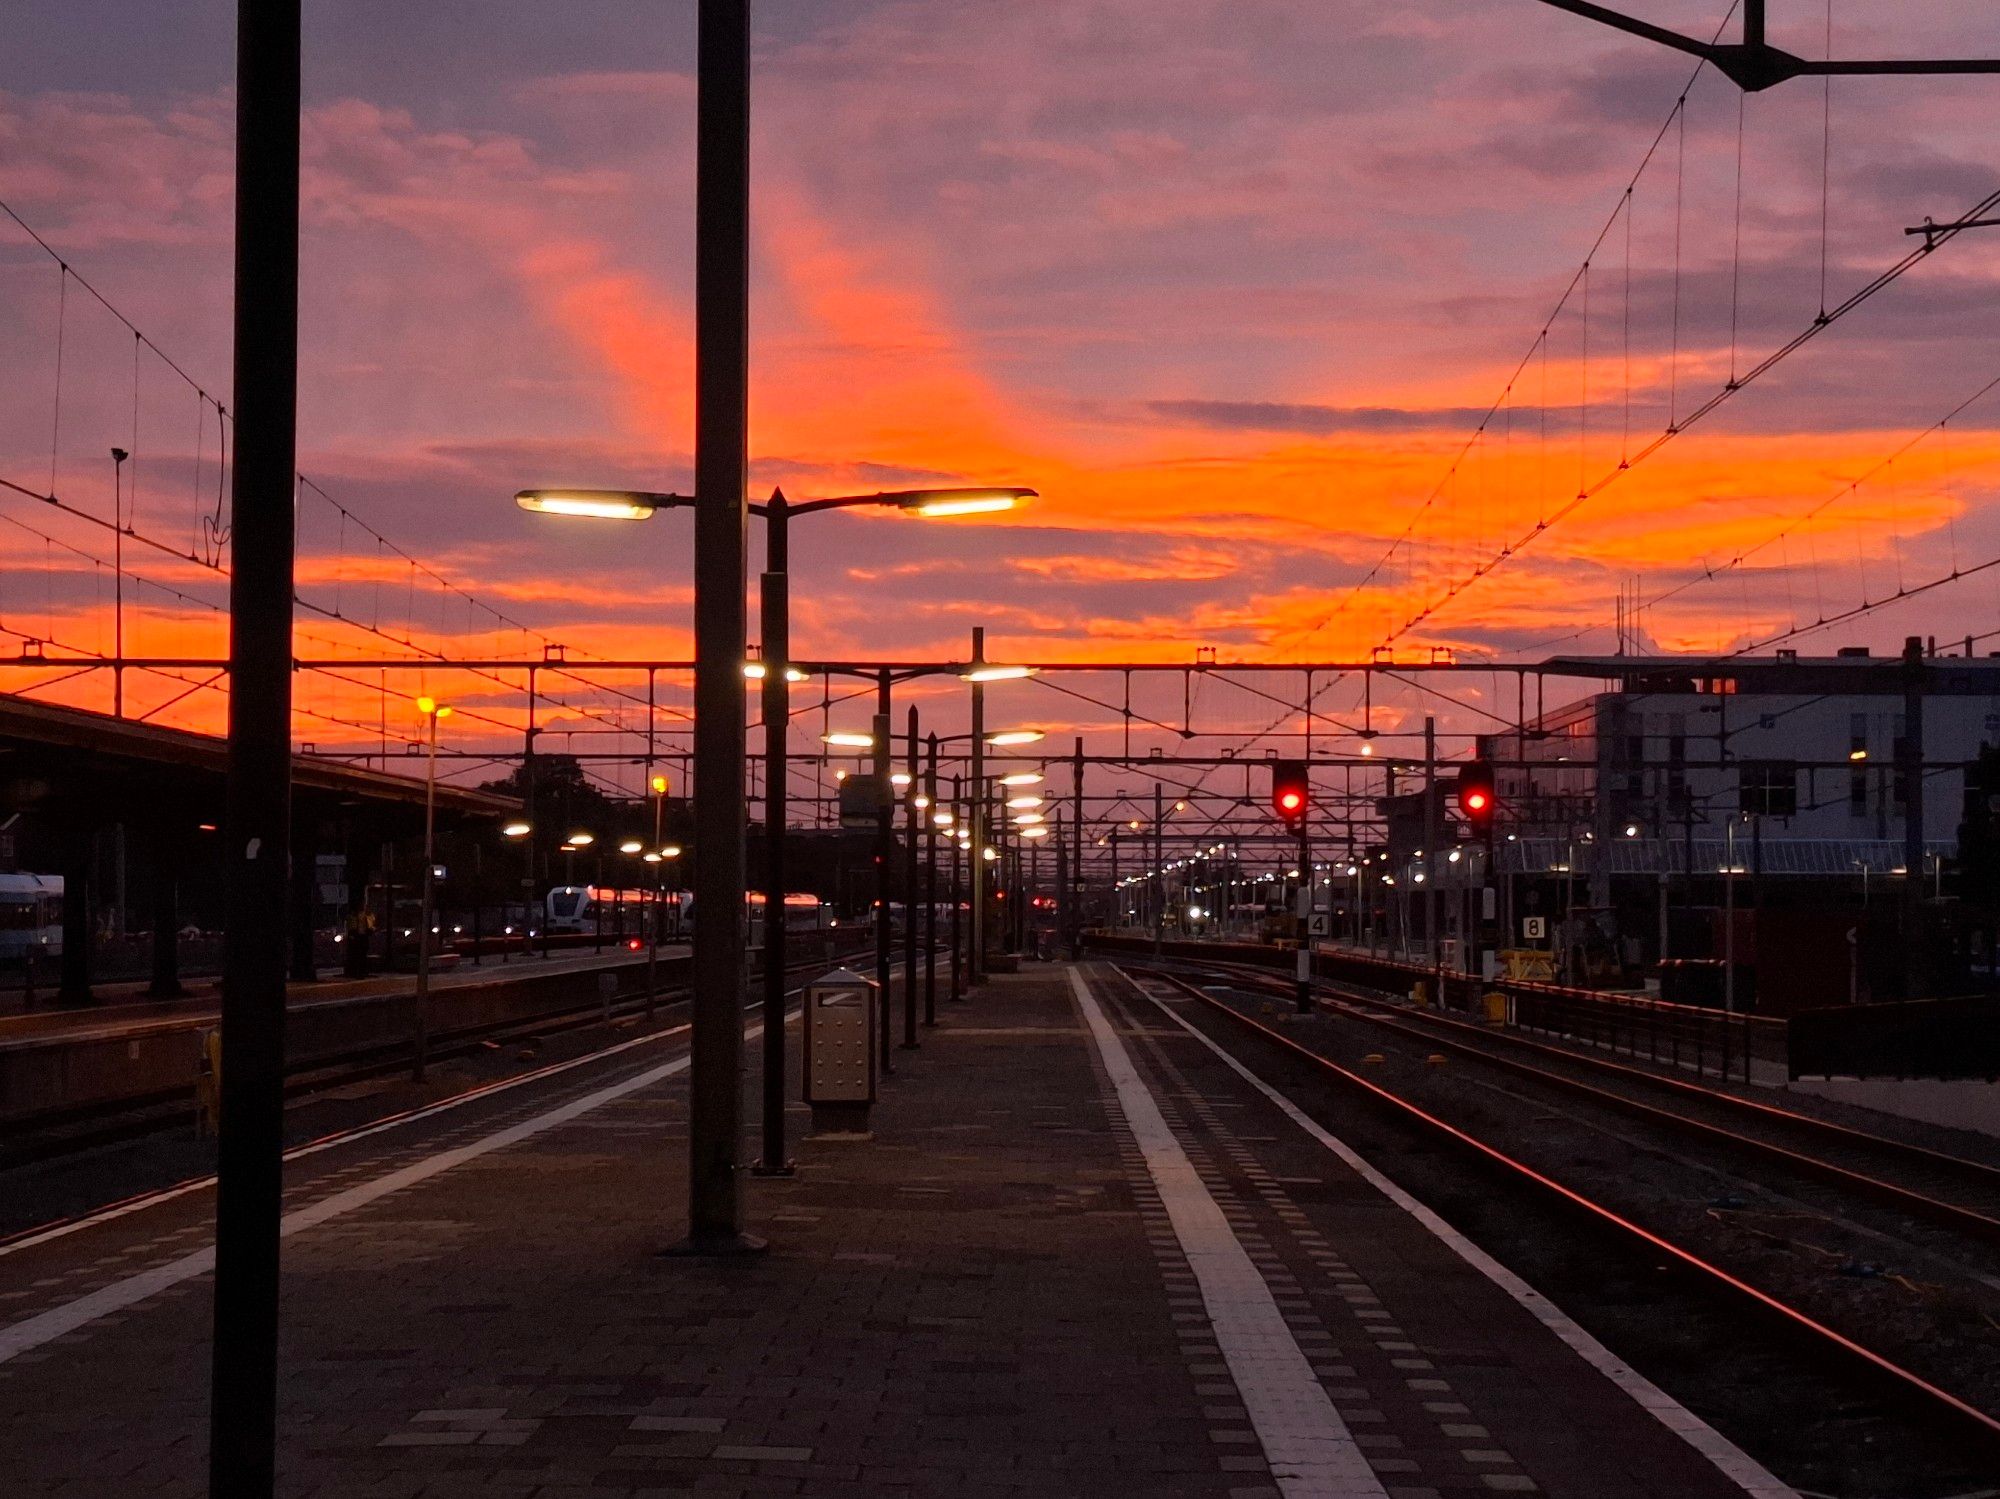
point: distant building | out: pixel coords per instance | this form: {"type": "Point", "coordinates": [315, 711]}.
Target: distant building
{"type": "Point", "coordinates": [1687, 758]}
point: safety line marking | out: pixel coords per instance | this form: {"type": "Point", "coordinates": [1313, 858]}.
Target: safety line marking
{"type": "Point", "coordinates": [1309, 1448]}
{"type": "Point", "coordinates": [154, 1199]}
{"type": "Point", "coordinates": [1730, 1460]}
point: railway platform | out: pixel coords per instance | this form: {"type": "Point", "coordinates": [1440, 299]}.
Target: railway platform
{"type": "Point", "coordinates": [1084, 1253]}
{"type": "Point", "coordinates": [125, 1009]}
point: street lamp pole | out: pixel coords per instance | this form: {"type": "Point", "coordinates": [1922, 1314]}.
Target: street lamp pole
{"type": "Point", "coordinates": [957, 880]}
{"type": "Point", "coordinates": [930, 879]}
{"type": "Point", "coordinates": [910, 814]}
{"type": "Point", "coordinates": [249, 1163]}
{"type": "Point", "coordinates": [722, 387]}
{"type": "Point", "coordinates": [433, 711]}
{"type": "Point", "coordinates": [976, 962]}
{"type": "Point", "coordinates": [658, 858]}
{"type": "Point", "coordinates": [774, 602]}
{"type": "Point", "coordinates": [884, 835]}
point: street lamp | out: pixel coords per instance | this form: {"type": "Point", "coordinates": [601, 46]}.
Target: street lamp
{"type": "Point", "coordinates": [517, 831]}
{"type": "Point", "coordinates": [775, 675]}
{"type": "Point", "coordinates": [432, 711]}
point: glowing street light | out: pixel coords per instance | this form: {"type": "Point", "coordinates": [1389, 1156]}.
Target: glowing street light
{"type": "Point", "coordinates": [982, 672]}
{"type": "Point", "coordinates": [1022, 778]}
{"type": "Point", "coordinates": [640, 504]}
{"type": "Point", "coordinates": [848, 739]}
{"type": "Point", "coordinates": [1008, 737]}
{"type": "Point", "coordinates": [596, 504]}
{"type": "Point", "coordinates": [943, 502]}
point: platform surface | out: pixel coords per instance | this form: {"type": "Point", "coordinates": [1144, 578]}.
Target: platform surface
{"type": "Point", "coordinates": [1080, 1256]}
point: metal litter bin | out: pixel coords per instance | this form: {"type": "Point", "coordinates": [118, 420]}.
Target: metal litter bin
{"type": "Point", "coordinates": [841, 1015]}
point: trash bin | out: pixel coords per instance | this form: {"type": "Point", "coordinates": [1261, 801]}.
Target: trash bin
{"type": "Point", "coordinates": [841, 1010]}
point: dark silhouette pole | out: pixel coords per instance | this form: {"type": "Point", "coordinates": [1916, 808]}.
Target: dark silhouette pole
{"type": "Point", "coordinates": [957, 897]}
{"type": "Point", "coordinates": [774, 602]}
{"type": "Point", "coordinates": [975, 966]}
{"type": "Point", "coordinates": [930, 879]}
{"type": "Point", "coordinates": [885, 807]}
{"type": "Point", "coordinates": [722, 372]}
{"type": "Point", "coordinates": [243, 1400]}
{"type": "Point", "coordinates": [910, 889]}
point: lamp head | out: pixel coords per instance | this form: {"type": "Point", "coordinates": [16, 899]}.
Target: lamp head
{"type": "Point", "coordinates": [599, 504]}
{"type": "Point", "coordinates": [942, 502]}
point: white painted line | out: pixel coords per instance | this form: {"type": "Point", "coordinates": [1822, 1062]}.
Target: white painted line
{"type": "Point", "coordinates": [1730, 1460]}
{"type": "Point", "coordinates": [347, 1137]}
{"type": "Point", "coordinates": [33, 1332]}
{"type": "Point", "coordinates": [1311, 1452]}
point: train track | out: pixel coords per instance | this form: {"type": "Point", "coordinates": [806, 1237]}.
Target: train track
{"type": "Point", "coordinates": [1931, 1401]}
{"type": "Point", "coordinates": [1950, 1191]}
{"type": "Point", "coordinates": [49, 1136]}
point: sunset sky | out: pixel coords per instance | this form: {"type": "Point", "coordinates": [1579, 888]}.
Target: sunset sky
{"type": "Point", "coordinates": [1232, 282]}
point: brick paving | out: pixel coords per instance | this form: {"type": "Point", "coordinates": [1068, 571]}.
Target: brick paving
{"type": "Point", "coordinates": [985, 1300]}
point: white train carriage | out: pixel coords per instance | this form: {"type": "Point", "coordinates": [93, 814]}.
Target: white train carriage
{"type": "Point", "coordinates": [31, 907]}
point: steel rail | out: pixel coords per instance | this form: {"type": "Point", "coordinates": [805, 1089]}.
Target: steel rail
{"type": "Point", "coordinates": [1953, 1215]}
{"type": "Point", "coordinates": [1907, 1383]}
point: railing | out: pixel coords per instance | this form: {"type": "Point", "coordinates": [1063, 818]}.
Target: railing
{"type": "Point", "coordinates": [1707, 1041]}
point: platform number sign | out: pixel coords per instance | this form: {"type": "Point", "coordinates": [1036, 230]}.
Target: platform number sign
{"type": "Point", "coordinates": [1534, 928]}
{"type": "Point", "coordinates": [1319, 924]}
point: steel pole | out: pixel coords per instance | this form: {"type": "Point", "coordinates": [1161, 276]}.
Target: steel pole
{"type": "Point", "coordinates": [1916, 946]}
{"type": "Point", "coordinates": [1302, 977]}
{"type": "Point", "coordinates": [913, 766]}
{"type": "Point", "coordinates": [1159, 871]}
{"type": "Point", "coordinates": [957, 900]}
{"type": "Point", "coordinates": [976, 856]}
{"type": "Point", "coordinates": [242, 1454]}
{"type": "Point", "coordinates": [1434, 950]}
{"type": "Point", "coordinates": [884, 844]}
{"type": "Point", "coordinates": [722, 384]}
{"type": "Point", "coordinates": [425, 905]}
{"type": "Point", "coordinates": [659, 876]}
{"type": "Point", "coordinates": [930, 879]}
{"type": "Point", "coordinates": [774, 599]}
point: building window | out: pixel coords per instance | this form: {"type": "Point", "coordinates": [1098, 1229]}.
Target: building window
{"type": "Point", "coordinates": [1769, 788]}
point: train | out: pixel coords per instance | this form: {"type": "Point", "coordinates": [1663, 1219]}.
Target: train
{"type": "Point", "coordinates": [579, 908]}
{"type": "Point", "coordinates": [31, 912]}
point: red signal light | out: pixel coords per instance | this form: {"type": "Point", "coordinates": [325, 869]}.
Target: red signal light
{"type": "Point", "coordinates": [1476, 795]}
{"type": "Point", "coordinates": [1291, 790]}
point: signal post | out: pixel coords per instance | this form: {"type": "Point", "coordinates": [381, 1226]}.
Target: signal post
{"type": "Point", "coordinates": [1476, 801]}
{"type": "Point", "coordinates": [1291, 799]}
